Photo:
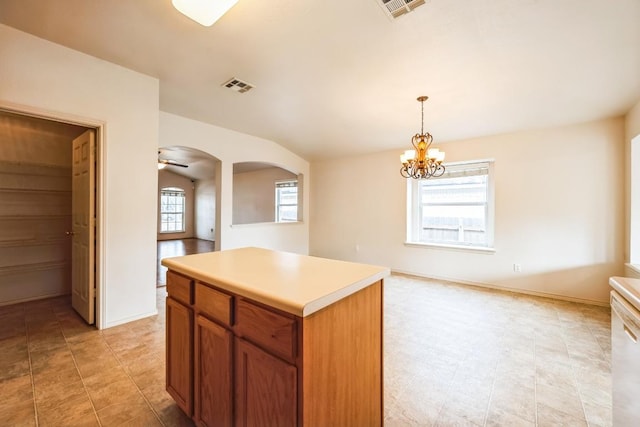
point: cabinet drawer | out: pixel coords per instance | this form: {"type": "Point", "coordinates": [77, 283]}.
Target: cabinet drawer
{"type": "Point", "coordinates": [273, 331]}
{"type": "Point", "coordinates": [180, 287]}
{"type": "Point", "coordinates": [214, 304]}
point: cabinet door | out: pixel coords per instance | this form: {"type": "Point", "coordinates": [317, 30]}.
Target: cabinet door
{"type": "Point", "coordinates": [265, 388]}
{"type": "Point", "coordinates": [180, 354]}
{"type": "Point", "coordinates": [213, 402]}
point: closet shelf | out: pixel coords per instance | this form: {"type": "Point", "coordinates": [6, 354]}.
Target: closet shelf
{"type": "Point", "coordinates": [33, 217]}
{"type": "Point", "coordinates": [37, 266]}
{"type": "Point", "coordinates": [32, 242]}
{"type": "Point", "coordinates": [32, 191]}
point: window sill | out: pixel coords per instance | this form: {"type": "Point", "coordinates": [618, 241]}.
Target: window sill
{"type": "Point", "coordinates": [263, 224]}
{"type": "Point", "coordinates": [452, 247]}
{"type": "Point", "coordinates": [172, 232]}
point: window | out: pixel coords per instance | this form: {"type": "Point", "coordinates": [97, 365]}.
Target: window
{"type": "Point", "coordinates": [287, 201]}
{"type": "Point", "coordinates": [455, 209]}
{"type": "Point", "coordinates": [172, 210]}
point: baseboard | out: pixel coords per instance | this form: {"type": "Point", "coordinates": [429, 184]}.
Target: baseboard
{"type": "Point", "coordinates": [130, 319]}
{"type": "Point", "coordinates": [36, 298]}
{"type": "Point", "coordinates": [504, 288]}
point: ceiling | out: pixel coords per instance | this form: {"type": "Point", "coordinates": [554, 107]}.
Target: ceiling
{"type": "Point", "coordinates": [335, 78]}
{"type": "Point", "coordinates": [200, 165]}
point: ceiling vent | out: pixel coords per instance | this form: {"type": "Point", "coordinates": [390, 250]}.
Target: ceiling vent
{"type": "Point", "coordinates": [397, 8]}
{"type": "Point", "coordinates": [238, 85]}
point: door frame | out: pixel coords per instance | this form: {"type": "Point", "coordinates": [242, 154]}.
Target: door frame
{"type": "Point", "coordinates": [99, 126]}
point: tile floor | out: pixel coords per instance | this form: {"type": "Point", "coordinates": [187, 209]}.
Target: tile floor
{"type": "Point", "coordinates": [454, 356]}
{"type": "Point", "coordinates": [57, 371]}
{"type": "Point", "coordinates": [463, 356]}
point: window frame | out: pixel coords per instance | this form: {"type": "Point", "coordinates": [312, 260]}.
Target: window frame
{"type": "Point", "coordinates": [176, 190]}
{"type": "Point", "coordinates": [414, 209]}
{"type": "Point", "coordinates": [282, 184]}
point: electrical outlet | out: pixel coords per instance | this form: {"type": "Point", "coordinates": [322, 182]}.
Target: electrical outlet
{"type": "Point", "coordinates": [517, 268]}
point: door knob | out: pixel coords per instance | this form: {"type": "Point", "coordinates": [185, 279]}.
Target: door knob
{"type": "Point", "coordinates": [69, 233]}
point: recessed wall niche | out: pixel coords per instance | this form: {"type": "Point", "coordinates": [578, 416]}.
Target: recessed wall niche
{"type": "Point", "coordinates": [264, 193]}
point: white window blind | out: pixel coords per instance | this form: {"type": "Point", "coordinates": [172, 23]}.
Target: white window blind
{"type": "Point", "coordinates": [454, 209]}
{"type": "Point", "coordinates": [172, 207]}
{"type": "Point", "coordinates": [287, 201]}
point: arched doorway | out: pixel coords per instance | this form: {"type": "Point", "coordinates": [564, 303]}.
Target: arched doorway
{"type": "Point", "coordinates": [188, 203]}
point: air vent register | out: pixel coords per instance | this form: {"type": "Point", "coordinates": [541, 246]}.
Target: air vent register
{"type": "Point", "coordinates": [397, 8]}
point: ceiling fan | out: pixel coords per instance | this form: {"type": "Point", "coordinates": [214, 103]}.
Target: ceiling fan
{"type": "Point", "coordinates": [163, 163]}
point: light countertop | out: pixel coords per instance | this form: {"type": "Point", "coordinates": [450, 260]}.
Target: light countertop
{"type": "Point", "coordinates": [628, 288]}
{"type": "Point", "coordinates": [297, 284]}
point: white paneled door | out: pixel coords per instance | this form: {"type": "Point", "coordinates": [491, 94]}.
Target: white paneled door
{"type": "Point", "coordinates": [83, 226]}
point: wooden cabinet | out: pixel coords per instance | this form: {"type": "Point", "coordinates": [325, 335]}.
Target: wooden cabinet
{"type": "Point", "coordinates": [265, 388]}
{"type": "Point", "coordinates": [180, 340]}
{"type": "Point", "coordinates": [180, 354]}
{"type": "Point", "coordinates": [213, 374]}
{"type": "Point", "coordinates": [275, 332]}
{"type": "Point", "coordinates": [232, 361]}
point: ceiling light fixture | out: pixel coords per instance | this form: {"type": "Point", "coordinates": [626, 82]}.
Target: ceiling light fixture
{"type": "Point", "coordinates": [204, 12]}
{"type": "Point", "coordinates": [423, 161]}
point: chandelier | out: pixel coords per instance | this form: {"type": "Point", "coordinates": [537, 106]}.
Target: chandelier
{"type": "Point", "coordinates": [422, 162]}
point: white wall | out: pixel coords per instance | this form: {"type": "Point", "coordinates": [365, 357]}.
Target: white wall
{"type": "Point", "coordinates": [205, 209]}
{"type": "Point", "coordinates": [633, 202]}
{"type": "Point", "coordinates": [233, 147]}
{"type": "Point", "coordinates": [632, 122]}
{"type": "Point", "coordinates": [58, 81]}
{"type": "Point", "coordinates": [559, 212]}
{"type": "Point", "coordinates": [169, 179]}
{"type": "Point", "coordinates": [632, 196]}
{"type": "Point", "coordinates": [254, 195]}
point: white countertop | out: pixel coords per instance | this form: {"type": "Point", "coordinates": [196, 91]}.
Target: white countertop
{"type": "Point", "coordinates": [628, 288]}
{"type": "Point", "coordinates": [297, 284]}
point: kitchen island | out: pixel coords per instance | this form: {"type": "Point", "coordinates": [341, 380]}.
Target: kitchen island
{"type": "Point", "coordinates": [260, 337]}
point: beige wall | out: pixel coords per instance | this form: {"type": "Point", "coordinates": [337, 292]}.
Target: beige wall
{"type": "Point", "coordinates": [232, 147]}
{"type": "Point", "coordinates": [632, 195]}
{"type": "Point", "coordinates": [559, 212]}
{"type": "Point", "coordinates": [169, 179]}
{"type": "Point", "coordinates": [632, 122]}
{"type": "Point", "coordinates": [205, 209]}
{"type": "Point", "coordinates": [254, 195]}
{"type": "Point", "coordinates": [52, 80]}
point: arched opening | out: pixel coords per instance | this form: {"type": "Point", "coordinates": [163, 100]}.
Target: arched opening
{"type": "Point", "coordinates": [264, 193]}
{"type": "Point", "coordinates": [188, 204]}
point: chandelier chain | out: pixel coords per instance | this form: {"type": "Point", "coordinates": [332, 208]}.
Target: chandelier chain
{"type": "Point", "coordinates": [422, 115]}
